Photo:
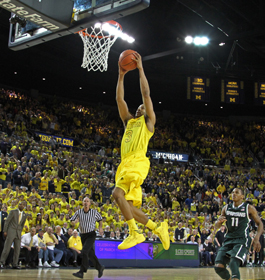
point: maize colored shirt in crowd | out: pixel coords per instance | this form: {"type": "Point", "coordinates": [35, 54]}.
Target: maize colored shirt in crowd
{"type": "Point", "coordinates": [134, 165]}
{"type": "Point", "coordinates": [47, 238]}
{"type": "Point", "coordinates": [75, 242]}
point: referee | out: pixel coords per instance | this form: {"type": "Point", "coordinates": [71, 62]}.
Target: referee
{"type": "Point", "coordinates": [87, 220]}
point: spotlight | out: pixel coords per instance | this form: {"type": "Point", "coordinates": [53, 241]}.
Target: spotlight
{"type": "Point", "coordinates": [188, 39]}
{"type": "Point", "coordinates": [204, 41]}
{"type": "Point", "coordinates": [198, 41]}
{"type": "Point", "coordinates": [201, 41]}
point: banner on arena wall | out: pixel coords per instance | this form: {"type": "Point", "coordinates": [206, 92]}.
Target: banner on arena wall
{"type": "Point", "coordinates": [176, 252]}
{"type": "Point", "coordinates": [170, 156]}
{"type": "Point", "coordinates": [198, 89]}
{"type": "Point", "coordinates": [64, 141]}
{"type": "Point", "coordinates": [232, 91]}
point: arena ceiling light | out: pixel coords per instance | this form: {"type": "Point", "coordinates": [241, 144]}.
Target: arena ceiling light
{"type": "Point", "coordinates": [200, 41]}
{"type": "Point", "coordinates": [115, 31]}
{"type": "Point", "coordinates": [197, 41]}
{"type": "Point", "coordinates": [188, 39]}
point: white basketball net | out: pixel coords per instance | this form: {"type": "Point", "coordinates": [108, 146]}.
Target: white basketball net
{"type": "Point", "coordinates": [97, 45]}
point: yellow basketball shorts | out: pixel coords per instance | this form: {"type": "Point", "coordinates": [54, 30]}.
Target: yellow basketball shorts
{"type": "Point", "coordinates": [130, 175]}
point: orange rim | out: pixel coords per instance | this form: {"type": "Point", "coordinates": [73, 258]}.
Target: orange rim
{"type": "Point", "coordinates": [111, 22]}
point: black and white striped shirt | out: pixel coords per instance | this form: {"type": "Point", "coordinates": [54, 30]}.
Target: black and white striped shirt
{"type": "Point", "coordinates": [87, 220]}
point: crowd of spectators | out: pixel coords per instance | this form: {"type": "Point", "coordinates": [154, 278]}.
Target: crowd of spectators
{"type": "Point", "coordinates": [52, 180]}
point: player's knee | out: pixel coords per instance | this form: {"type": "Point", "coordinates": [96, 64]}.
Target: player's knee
{"type": "Point", "coordinates": [219, 265]}
{"type": "Point", "coordinates": [117, 193]}
{"type": "Point", "coordinates": [222, 272]}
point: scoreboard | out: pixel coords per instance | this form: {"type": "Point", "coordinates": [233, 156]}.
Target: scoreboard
{"type": "Point", "coordinates": [259, 93]}
{"type": "Point", "coordinates": [198, 89]}
{"type": "Point", "coordinates": [232, 91]}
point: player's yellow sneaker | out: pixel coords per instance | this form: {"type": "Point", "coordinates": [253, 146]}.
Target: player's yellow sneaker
{"type": "Point", "coordinates": [131, 240]}
{"type": "Point", "coordinates": [163, 235]}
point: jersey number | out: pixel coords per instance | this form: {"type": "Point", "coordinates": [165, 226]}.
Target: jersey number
{"type": "Point", "coordinates": [234, 222]}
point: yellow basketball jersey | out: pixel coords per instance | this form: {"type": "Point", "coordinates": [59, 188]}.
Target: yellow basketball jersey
{"type": "Point", "coordinates": [135, 137]}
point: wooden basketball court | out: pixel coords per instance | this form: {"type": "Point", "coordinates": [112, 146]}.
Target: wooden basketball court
{"type": "Point", "coordinates": [129, 274]}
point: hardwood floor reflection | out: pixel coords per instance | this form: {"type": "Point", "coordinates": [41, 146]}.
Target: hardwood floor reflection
{"type": "Point", "coordinates": [257, 273]}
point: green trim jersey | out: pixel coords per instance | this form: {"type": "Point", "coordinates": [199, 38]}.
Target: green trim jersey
{"type": "Point", "coordinates": [237, 222]}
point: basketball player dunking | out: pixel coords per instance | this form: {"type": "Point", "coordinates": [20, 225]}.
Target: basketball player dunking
{"type": "Point", "coordinates": [134, 165]}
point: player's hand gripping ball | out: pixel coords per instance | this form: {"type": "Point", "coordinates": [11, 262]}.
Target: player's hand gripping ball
{"type": "Point", "coordinates": [126, 60]}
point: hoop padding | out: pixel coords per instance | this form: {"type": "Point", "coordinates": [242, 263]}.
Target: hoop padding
{"type": "Point", "coordinates": [97, 44]}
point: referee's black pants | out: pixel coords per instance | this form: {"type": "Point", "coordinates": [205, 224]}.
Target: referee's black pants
{"type": "Point", "coordinates": [88, 252]}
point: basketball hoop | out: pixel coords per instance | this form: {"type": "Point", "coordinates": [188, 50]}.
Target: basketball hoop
{"type": "Point", "coordinates": [97, 43]}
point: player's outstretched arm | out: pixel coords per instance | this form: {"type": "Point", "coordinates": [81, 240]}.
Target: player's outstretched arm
{"type": "Point", "coordinates": [253, 214]}
{"type": "Point", "coordinates": [122, 105]}
{"type": "Point", "coordinates": [145, 91]}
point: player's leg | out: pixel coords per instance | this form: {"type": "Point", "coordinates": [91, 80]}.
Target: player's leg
{"type": "Point", "coordinates": [118, 195]}
{"type": "Point", "coordinates": [123, 187]}
{"type": "Point", "coordinates": [234, 266]}
{"type": "Point", "coordinates": [142, 167]}
{"type": "Point", "coordinates": [220, 263]}
{"type": "Point", "coordinates": [134, 237]}
{"type": "Point", "coordinates": [238, 256]}
{"type": "Point", "coordinates": [161, 231]}
{"type": "Point", "coordinates": [139, 215]}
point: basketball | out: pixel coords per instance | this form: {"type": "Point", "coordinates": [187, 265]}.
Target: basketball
{"type": "Point", "coordinates": [126, 61]}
